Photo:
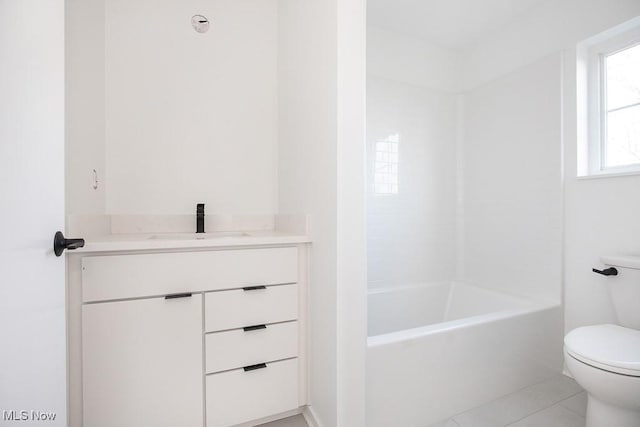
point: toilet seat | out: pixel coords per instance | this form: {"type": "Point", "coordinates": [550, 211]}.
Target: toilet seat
{"type": "Point", "coordinates": [612, 348]}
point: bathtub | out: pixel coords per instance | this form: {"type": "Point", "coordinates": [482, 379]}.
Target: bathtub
{"type": "Point", "coordinates": [436, 350]}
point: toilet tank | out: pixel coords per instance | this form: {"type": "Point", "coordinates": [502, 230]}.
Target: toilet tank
{"type": "Point", "coordinates": [625, 288]}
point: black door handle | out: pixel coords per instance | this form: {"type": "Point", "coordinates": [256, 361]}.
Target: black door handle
{"type": "Point", "coordinates": [611, 271]}
{"type": "Point", "coordinates": [60, 243]}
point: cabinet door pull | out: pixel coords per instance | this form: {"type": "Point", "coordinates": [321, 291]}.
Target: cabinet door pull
{"type": "Point", "coordinates": [254, 328]}
{"type": "Point", "coordinates": [253, 288]}
{"type": "Point", "coordinates": [175, 296]}
{"type": "Point", "coordinates": [254, 367]}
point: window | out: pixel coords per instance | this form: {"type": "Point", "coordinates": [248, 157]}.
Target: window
{"type": "Point", "coordinates": [612, 97]}
{"type": "Point", "coordinates": [386, 165]}
{"type": "Point", "coordinates": [621, 108]}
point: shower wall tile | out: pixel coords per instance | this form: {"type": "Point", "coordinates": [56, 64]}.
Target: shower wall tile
{"type": "Point", "coordinates": [512, 180]}
{"type": "Point", "coordinates": [411, 232]}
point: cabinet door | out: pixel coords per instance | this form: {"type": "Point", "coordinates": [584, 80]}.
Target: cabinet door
{"type": "Point", "coordinates": [142, 363]}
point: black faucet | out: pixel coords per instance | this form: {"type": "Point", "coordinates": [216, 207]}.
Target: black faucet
{"type": "Point", "coordinates": [200, 218]}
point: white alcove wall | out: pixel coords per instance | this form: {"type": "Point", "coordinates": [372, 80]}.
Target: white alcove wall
{"type": "Point", "coordinates": [170, 117]}
{"type": "Point", "coordinates": [264, 114]}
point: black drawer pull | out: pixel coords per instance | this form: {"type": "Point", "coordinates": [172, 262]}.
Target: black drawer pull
{"type": "Point", "coordinates": [254, 367]}
{"type": "Point", "coordinates": [254, 328]}
{"type": "Point", "coordinates": [253, 288]}
{"type": "Point", "coordinates": [175, 296]}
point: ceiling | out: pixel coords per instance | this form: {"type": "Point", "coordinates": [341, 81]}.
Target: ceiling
{"type": "Point", "coordinates": [453, 24]}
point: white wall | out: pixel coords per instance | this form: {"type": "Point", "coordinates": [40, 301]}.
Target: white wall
{"type": "Point", "coordinates": [191, 117]}
{"type": "Point", "coordinates": [408, 59]}
{"type": "Point", "coordinates": [321, 173]}
{"type": "Point", "coordinates": [412, 235]}
{"type": "Point", "coordinates": [307, 176]}
{"type": "Point", "coordinates": [602, 217]}
{"type": "Point", "coordinates": [600, 214]}
{"type": "Point", "coordinates": [544, 30]}
{"type": "Point", "coordinates": [512, 182]}
{"type": "Point", "coordinates": [351, 235]}
{"type": "Point", "coordinates": [170, 117]}
{"type": "Point", "coordinates": [85, 98]}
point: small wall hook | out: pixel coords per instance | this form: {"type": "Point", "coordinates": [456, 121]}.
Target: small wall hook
{"type": "Point", "coordinates": [95, 180]}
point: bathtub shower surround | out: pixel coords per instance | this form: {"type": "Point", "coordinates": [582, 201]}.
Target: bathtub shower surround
{"type": "Point", "coordinates": [412, 183]}
{"type": "Point", "coordinates": [451, 347]}
{"type": "Point", "coordinates": [441, 304]}
{"type": "Point", "coordinates": [464, 226]}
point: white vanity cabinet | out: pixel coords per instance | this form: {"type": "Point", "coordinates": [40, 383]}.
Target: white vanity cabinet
{"type": "Point", "coordinates": [238, 396]}
{"type": "Point", "coordinates": [142, 363]}
{"type": "Point", "coordinates": [251, 353]}
{"type": "Point", "coordinates": [170, 337]}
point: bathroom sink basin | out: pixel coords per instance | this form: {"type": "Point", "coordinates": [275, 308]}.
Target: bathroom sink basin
{"type": "Point", "coordinates": [198, 236]}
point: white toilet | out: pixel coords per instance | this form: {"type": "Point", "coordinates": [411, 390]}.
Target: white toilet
{"type": "Point", "coordinates": [605, 359]}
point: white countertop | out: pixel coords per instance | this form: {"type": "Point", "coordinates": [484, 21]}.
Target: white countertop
{"type": "Point", "coordinates": [168, 241]}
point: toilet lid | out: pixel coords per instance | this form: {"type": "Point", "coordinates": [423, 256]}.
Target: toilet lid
{"type": "Point", "coordinates": [610, 347]}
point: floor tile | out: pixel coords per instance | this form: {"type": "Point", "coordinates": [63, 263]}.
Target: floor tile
{"type": "Point", "coordinates": [516, 406]}
{"type": "Point", "coordinates": [577, 403]}
{"type": "Point", "coordinates": [446, 423]}
{"type": "Point", "coordinates": [295, 421]}
{"type": "Point", "coordinates": [555, 416]}
{"type": "Point", "coordinates": [554, 390]}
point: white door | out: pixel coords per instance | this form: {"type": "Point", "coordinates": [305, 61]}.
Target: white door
{"type": "Point", "coordinates": [32, 282]}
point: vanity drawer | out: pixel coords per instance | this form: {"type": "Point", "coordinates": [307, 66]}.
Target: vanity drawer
{"type": "Point", "coordinates": [140, 275]}
{"type": "Point", "coordinates": [239, 308]}
{"type": "Point", "coordinates": [238, 348]}
{"type": "Point", "coordinates": [238, 396]}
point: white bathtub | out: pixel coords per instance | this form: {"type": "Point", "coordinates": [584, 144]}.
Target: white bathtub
{"type": "Point", "coordinates": [437, 350]}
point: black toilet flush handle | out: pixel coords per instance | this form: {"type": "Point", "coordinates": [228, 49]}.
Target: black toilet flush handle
{"type": "Point", "coordinates": [611, 271]}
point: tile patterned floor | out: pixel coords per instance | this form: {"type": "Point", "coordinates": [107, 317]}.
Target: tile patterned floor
{"type": "Point", "coordinates": [557, 402]}
{"type": "Point", "coordinates": [295, 421]}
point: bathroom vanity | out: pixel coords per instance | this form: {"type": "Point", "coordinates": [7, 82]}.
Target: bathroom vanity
{"type": "Point", "coordinates": [173, 330]}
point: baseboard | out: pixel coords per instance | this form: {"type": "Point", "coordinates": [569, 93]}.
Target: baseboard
{"type": "Point", "coordinates": [270, 418]}
{"type": "Point", "coordinates": [310, 417]}
{"type": "Point", "coordinates": [306, 411]}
